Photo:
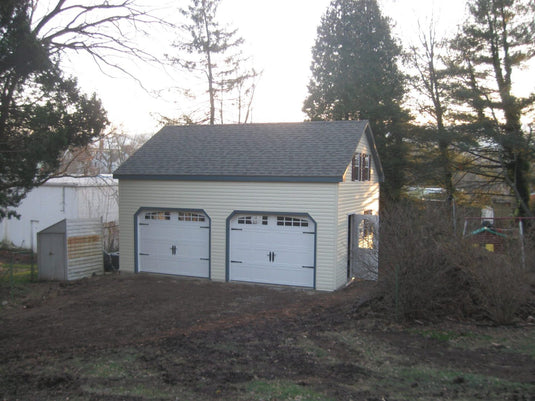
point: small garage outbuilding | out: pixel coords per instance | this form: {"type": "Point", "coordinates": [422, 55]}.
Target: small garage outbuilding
{"type": "Point", "coordinates": [70, 249]}
{"type": "Point", "coordinates": [264, 203]}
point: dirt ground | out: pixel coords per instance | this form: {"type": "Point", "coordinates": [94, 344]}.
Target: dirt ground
{"type": "Point", "coordinates": [150, 337]}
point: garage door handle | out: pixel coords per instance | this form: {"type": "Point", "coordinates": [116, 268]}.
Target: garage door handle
{"type": "Point", "coordinates": [273, 257]}
{"type": "Point", "coordinates": [307, 267]}
{"type": "Point", "coordinates": [236, 261]}
{"type": "Point", "coordinates": [144, 254]}
{"type": "Point", "coordinates": [173, 250]}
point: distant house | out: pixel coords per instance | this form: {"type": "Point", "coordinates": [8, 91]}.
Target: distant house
{"type": "Point", "coordinates": [58, 199]}
{"type": "Point", "coordinates": [265, 203]}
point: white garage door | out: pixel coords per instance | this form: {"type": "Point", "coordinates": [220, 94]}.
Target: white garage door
{"type": "Point", "coordinates": [276, 249]}
{"type": "Point", "coordinates": [174, 242]}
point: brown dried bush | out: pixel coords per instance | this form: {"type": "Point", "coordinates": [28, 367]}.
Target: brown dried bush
{"type": "Point", "coordinates": [499, 286]}
{"type": "Point", "coordinates": [529, 246]}
{"type": "Point", "coordinates": [426, 271]}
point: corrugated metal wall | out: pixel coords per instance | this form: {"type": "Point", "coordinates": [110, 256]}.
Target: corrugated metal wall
{"type": "Point", "coordinates": [220, 199]}
{"type": "Point", "coordinates": [58, 199]}
{"type": "Point", "coordinates": [70, 249]}
{"type": "Point", "coordinates": [84, 248]}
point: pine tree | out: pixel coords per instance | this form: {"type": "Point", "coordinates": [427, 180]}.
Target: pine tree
{"type": "Point", "coordinates": [497, 39]}
{"type": "Point", "coordinates": [355, 75]}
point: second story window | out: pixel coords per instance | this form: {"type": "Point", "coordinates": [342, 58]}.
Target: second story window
{"type": "Point", "coordinates": [360, 168]}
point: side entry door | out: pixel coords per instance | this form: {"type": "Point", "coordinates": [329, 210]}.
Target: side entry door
{"type": "Point", "coordinates": [363, 249]}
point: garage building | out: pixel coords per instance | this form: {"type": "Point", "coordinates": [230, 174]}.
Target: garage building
{"type": "Point", "coordinates": [266, 203]}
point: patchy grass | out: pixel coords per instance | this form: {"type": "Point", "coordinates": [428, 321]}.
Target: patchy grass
{"type": "Point", "coordinates": [153, 338]}
{"type": "Point", "coordinates": [280, 390]}
{"type": "Point", "coordinates": [139, 389]}
{"type": "Point", "coordinates": [15, 282]}
{"type": "Point", "coordinates": [446, 336]}
{"type": "Point", "coordinates": [507, 339]}
{"type": "Point", "coordinates": [112, 365]}
{"type": "Point", "coordinates": [382, 371]}
{"type": "Point", "coordinates": [421, 381]}
{"type": "Point", "coordinates": [406, 377]}
{"type": "Point", "coordinates": [16, 273]}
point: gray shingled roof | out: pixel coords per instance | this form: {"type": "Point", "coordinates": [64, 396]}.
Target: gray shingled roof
{"type": "Point", "coordinates": [309, 151]}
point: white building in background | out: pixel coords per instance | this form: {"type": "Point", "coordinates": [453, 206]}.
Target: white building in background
{"type": "Point", "coordinates": [58, 199]}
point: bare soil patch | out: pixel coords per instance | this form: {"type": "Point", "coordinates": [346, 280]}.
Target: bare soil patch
{"type": "Point", "coordinates": [149, 337]}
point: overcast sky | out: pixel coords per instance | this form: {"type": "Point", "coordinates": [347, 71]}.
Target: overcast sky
{"type": "Point", "coordinates": [279, 35]}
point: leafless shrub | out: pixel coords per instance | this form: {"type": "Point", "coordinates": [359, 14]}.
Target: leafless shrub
{"type": "Point", "coordinates": [499, 286]}
{"type": "Point", "coordinates": [416, 276]}
{"type": "Point", "coordinates": [529, 246]}
{"type": "Point", "coordinates": [427, 271]}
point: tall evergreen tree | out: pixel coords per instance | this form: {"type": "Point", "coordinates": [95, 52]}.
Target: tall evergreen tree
{"type": "Point", "coordinates": [355, 75]}
{"type": "Point", "coordinates": [496, 40]}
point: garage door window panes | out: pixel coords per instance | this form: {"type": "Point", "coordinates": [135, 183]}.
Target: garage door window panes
{"type": "Point", "coordinates": [247, 220]}
{"type": "Point", "coordinates": [158, 216]}
{"type": "Point", "coordinates": [291, 221]}
{"type": "Point", "coordinates": [190, 216]}
{"type": "Point", "coordinates": [253, 220]}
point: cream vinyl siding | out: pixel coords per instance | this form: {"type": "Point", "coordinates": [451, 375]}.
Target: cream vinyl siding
{"type": "Point", "coordinates": [220, 199]}
{"type": "Point", "coordinates": [353, 197]}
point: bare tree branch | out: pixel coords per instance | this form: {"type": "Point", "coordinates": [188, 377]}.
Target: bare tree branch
{"type": "Point", "coordinates": [105, 30]}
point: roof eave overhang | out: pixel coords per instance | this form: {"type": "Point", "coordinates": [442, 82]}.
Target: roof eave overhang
{"type": "Point", "coordinates": [228, 178]}
{"type": "Point", "coordinates": [375, 153]}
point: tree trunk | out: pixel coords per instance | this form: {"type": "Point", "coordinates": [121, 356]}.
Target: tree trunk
{"type": "Point", "coordinates": [208, 50]}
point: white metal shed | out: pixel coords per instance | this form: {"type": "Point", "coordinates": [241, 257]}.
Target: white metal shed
{"type": "Point", "coordinates": [58, 199]}
{"type": "Point", "coordinates": [70, 250]}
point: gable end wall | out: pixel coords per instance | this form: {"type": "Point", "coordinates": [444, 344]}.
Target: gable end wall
{"type": "Point", "coordinates": [354, 197]}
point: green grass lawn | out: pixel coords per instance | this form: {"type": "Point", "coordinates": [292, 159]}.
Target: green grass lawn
{"type": "Point", "coordinates": [17, 273]}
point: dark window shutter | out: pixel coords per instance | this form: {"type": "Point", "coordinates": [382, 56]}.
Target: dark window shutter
{"type": "Point", "coordinates": [357, 167]}
{"type": "Point", "coordinates": [365, 167]}
{"type": "Point", "coordinates": [360, 167]}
